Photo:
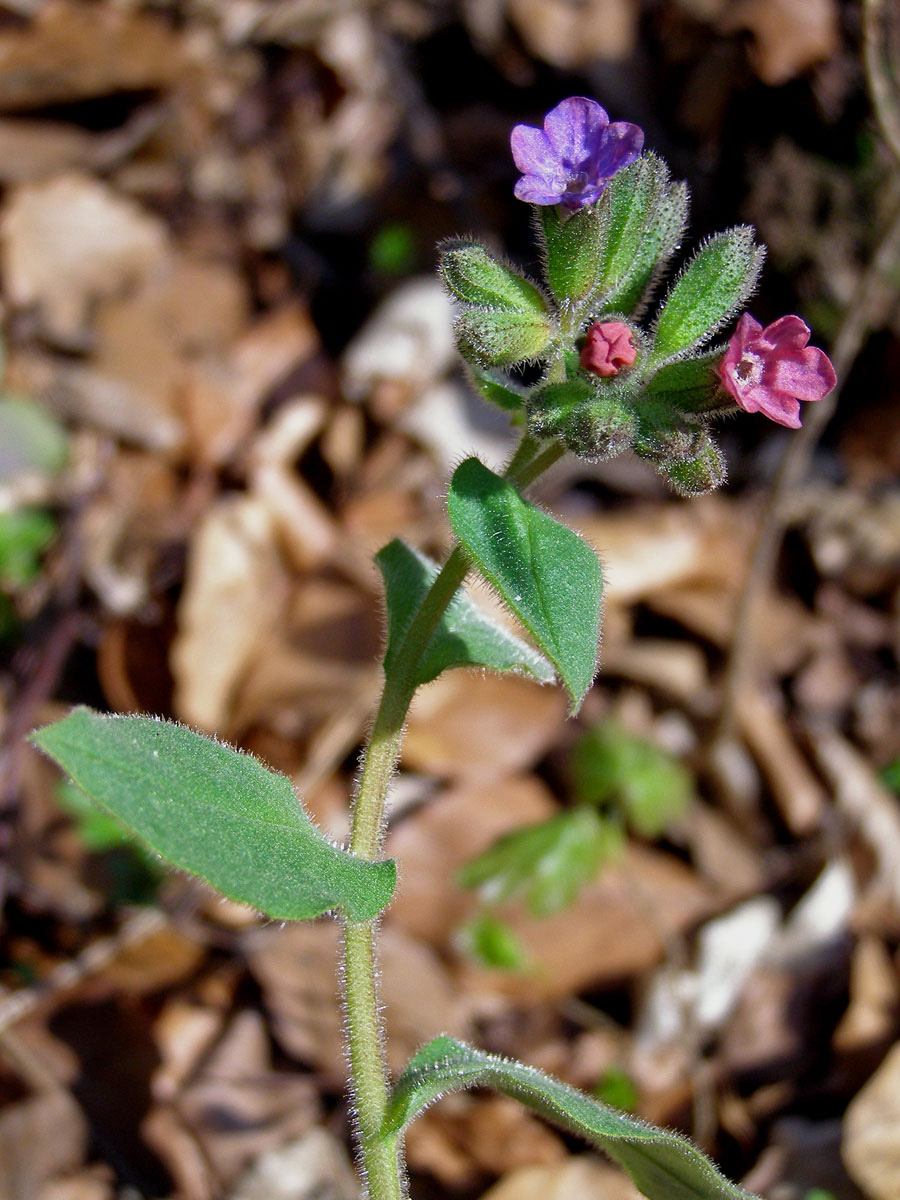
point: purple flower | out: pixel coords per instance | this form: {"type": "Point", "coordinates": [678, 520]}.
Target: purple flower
{"type": "Point", "coordinates": [572, 159]}
{"type": "Point", "coordinates": [771, 370]}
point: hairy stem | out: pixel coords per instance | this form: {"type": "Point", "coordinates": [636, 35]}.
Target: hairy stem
{"type": "Point", "coordinates": [380, 1156]}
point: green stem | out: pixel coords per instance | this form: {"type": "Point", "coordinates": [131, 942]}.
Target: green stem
{"type": "Point", "coordinates": [380, 1155]}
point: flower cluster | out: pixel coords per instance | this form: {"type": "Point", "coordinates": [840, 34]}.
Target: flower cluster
{"type": "Point", "coordinates": [611, 220]}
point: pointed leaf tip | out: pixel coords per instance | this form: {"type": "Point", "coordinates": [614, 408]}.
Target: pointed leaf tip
{"type": "Point", "coordinates": [215, 812]}
{"type": "Point", "coordinates": [544, 572]}
{"type": "Point", "coordinates": [663, 1165]}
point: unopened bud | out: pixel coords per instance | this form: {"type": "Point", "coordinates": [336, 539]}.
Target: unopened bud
{"type": "Point", "coordinates": [594, 425]}
{"type": "Point", "coordinates": [702, 472]}
{"type": "Point", "coordinates": [608, 348]}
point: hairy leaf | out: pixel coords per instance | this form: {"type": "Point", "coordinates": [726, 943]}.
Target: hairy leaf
{"type": "Point", "coordinates": [465, 637]}
{"type": "Point", "coordinates": [476, 277]}
{"type": "Point", "coordinates": [646, 217]}
{"type": "Point", "coordinates": [710, 290]}
{"type": "Point", "coordinates": [496, 337]}
{"type": "Point", "coordinates": [215, 812]}
{"type": "Point", "coordinates": [543, 571]}
{"type": "Point", "coordinates": [663, 1165]}
{"type": "Point", "coordinates": [496, 389]}
{"type": "Point", "coordinates": [573, 246]}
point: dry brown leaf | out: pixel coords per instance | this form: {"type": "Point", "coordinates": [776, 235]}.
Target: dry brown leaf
{"type": "Point", "coordinates": [865, 802]}
{"type": "Point", "coordinates": [76, 390]}
{"type": "Point", "coordinates": [647, 551]}
{"type": "Point", "coordinates": [465, 1138]}
{"type": "Point", "coordinates": [874, 993]}
{"type": "Point", "coordinates": [238, 1107]}
{"type": "Point", "coordinates": [317, 664]}
{"type": "Point", "coordinates": [71, 51]}
{"type": "Point", "coordinates": [234, 591]}
{"type": "Point", "coordinates": [722, 852]}
{"type": "Point", "coordinates": [762, 1035]}
{"type": "Point", "coordinates": [433, 843]}
{"type": "Point", "coordinates": [572, 35]}
{"type": "Point", "coordinates": [160, 959]}
{"type": "Point", "coordinates": [472, 727]}
{"type": "Point", "coordinates": [40, 1137]}
{"type": "Point", "coordinates": [871, 1138]}
{"type": "Point", "coordinates": [143, 340]}
{"type": "Point", "coordinates": [675, 668]}
{"type": "Point", "coordinates": [297, 969]}
{"type": "Point", "coordinates": [96, 1183]}
{"type": "Point", "coordinates": [314, 1167]}
{"type": "Point", "coordinates": [790, 35]}
{"type": "Point", "coordinates": [408, 338]}
{"type": "Point", "coordinates": [164, 1132]}
{"type": "Point", "coordinates": [184, 1032]}
{"type": "Point", "coordinates": [224, 395]}
{"type": "Point", "coordinates": [616, 928]}
{"type": "Point", "coordinates": [32, 150]}
{"type": "Point", "coordinates": [798, 794]}
{"type": "Point", "coordinates": [70, 241]}
{"type": "Point", "coordinates": [586, 1178]}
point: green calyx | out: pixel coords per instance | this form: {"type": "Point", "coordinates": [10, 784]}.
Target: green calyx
{"type": "Point", "coordinates": [594, 422]}
{"type": "Point", "coordinates": [601, 265]}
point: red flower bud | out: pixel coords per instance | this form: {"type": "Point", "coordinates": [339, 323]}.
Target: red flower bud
{"type": "Point", "coordinates": [607, 348]}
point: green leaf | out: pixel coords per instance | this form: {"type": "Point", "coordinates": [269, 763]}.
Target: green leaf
{"type": "Point", "coordinates": [97, 830]}
{"type": "Point", "coordinates": [616, 1088]}
{"type": "Point", "coordinates": [491, 943]}
{"type": "Point", "coordinates": [215, 812]}
{"type": "Point", "coordinates": [30, 440]}
{"type": "Point", "coordinates": [495, 337]}
{"type": "Point", "coordinates": [465, 637]}
{"type": "Point", "coordinates": [572, 249]}
{"type": "Point", "coordinates": [647, 214]}
{"type": "Point", "coordinates": [612, 768]}
{"type": "Point", "coordinates": [543, 571]}
{"type": "Point", "coordinates": [663, 1165]}
{"type": "Point", "coordinates": [710, 290]}
{"type": "Point", "coordinates": [890, 776]}
{"type": "Point", "coordinates": [476, 277]}
{"type": "Point", "coordinates": [547, 863]}
{"type": "Point", "coordinates": [691, 385]}
{"type": "Point", "coordinates": [497, 390]}
{"type": "Point", "coordinates": [24, 535]}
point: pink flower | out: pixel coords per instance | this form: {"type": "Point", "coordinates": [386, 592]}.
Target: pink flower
{"type": "Point", "coordinates": [771, 370]}
{"type": "Point", "coordinates": [608, 348]}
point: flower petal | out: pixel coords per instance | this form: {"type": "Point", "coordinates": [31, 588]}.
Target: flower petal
{"type": "Point", "coordinates": [805, 374]}
{"type": "Point", "coordinates": [787, 333]}
{"type": "Point", "coordinates": [532, 152]}
{"type": "Point", "coordinates": [574, 126]}
{"type": "Point", "coordinates": [536, 190]}
{"type": "Point", "coordinates": [747, 329]}
{"type": "Point", "coordinates": [619, 145]}
{"type": "Point", "coordinates": [777, 406]}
